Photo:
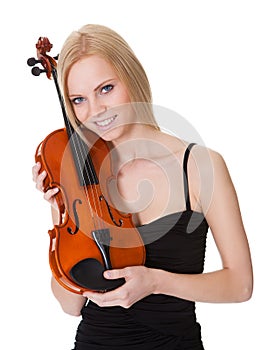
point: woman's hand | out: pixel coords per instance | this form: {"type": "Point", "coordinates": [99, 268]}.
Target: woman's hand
{"type": "Point", "coordinates": [140, 282]}
{"type": "Point", "coordinates": [39, 178]}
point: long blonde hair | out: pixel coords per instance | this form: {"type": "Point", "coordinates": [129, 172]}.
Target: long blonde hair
{"type": "Point", "coordinates": [99, 40]}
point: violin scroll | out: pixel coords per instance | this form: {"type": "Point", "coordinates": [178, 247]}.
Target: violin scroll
{"type": "Point", "coordinates": [48, 63]}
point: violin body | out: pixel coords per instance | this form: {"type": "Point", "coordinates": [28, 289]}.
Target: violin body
{"type": "Point", "coordinates": [91, 236]}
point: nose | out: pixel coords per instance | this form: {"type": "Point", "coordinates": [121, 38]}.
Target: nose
{"type": "Point", "coordinates": [96, 108]}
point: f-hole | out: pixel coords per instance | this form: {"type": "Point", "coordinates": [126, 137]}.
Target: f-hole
{"type": "Point", "coordinates": [69, 229]}
{"type": "Point", "coordinates": [120, 223]}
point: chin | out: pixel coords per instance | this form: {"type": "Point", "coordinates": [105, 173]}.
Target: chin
{"type": "Point", "coordinates": [112, 135]}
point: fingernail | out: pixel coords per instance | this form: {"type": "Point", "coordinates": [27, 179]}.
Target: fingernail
{"type": "Point", "coordinates": [107, 274]}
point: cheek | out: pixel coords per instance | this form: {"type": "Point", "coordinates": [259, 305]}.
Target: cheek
{"type": "Point", "coordinates": [126, 97]}
{"type": "Point", "coordinates": [121, 96]}
{"type": "Point", "coordinates": [80, 113]}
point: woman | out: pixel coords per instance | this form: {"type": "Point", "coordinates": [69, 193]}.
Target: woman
{"type": "Point", "coordinates": [175, 192]}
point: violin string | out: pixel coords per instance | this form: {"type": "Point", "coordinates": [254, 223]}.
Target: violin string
{"type": "Point", "coordinates": [71, 135]}
{"type": "Point", "coordinates": [88, 171]}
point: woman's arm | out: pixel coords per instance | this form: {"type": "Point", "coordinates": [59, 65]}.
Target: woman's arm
{"type": "Point", "coordinates": [71, 303]}
{"type": "Point", "coordinates": [234, 282]}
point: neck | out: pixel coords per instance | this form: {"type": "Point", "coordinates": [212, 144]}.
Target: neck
{"type": "Point", "coordinates": [136, 145]}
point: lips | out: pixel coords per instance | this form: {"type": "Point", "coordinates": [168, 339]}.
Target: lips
{"type": "Point", "coordinates": [106, 122]}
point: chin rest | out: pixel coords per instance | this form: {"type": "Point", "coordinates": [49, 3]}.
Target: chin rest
{"type": "Point", "coordinates": [88, 273]}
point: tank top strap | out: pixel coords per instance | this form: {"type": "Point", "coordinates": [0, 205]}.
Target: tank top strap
{"type": "Point", "coordinates": [185, 177]}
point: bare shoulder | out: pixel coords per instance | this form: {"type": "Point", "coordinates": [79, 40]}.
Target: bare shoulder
{"type": "Point", "coordinates": [208, 174]}
{"type": "Point", "coordinates": [203, 155]}
{"type": "Point", "coordinates": [208, 162]}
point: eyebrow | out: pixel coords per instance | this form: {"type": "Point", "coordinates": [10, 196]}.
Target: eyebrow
{"type": "Point", "coordinates": [96, 88]}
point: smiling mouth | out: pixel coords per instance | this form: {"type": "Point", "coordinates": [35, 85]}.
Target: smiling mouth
{"type": "Point", "coordinates": [106, 122]}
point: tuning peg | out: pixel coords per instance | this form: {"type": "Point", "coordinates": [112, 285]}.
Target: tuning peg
{"type": "Point", "coordinates": [36, 71]}
{"type": "Point", "coordinates": [32, 61]}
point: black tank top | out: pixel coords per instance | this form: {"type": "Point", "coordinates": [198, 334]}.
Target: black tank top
{"type": "Point", "coordinates": [175, 243]}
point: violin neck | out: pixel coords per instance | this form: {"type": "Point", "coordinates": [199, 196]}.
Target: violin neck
{"type": "Point", "coordinates": [82, 159]}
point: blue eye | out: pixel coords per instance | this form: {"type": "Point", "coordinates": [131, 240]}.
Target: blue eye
{"type": "Point", "coordinates": [77, 100]}
{"type": "Point", "coordinates": [107, 88]}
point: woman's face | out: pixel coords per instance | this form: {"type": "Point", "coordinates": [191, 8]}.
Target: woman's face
{"type": "Point", "coordinates": [100, 100]}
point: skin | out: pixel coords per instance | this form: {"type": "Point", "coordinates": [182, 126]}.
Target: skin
{"type": "Point", "coordinates": [95, 93]}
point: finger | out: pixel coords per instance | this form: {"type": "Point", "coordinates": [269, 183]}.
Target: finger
{"type": "Point", "coordinates": [116, 273]}
{"type": "Point", "coordinates": [39, 180]}
{"type": "Point", "coordinates": [51, 193]}
{"type": "Point", "coordinates": [104, 299]}
{"type": "Point", "coordinates": [35, 170]}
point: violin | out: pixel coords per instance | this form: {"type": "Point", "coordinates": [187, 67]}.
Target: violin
{"type": "Point", "coordinates": [91, 235]}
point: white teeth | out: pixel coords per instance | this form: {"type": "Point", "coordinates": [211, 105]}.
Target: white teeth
{"type": "Point", "coordinates": [105, 122]}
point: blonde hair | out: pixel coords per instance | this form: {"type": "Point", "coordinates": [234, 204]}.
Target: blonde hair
{"type": "Point", "coordinates": [99, 40]}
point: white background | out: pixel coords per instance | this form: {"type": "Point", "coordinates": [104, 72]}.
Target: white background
{"type": "Point", "coordinates": [211, 61]}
